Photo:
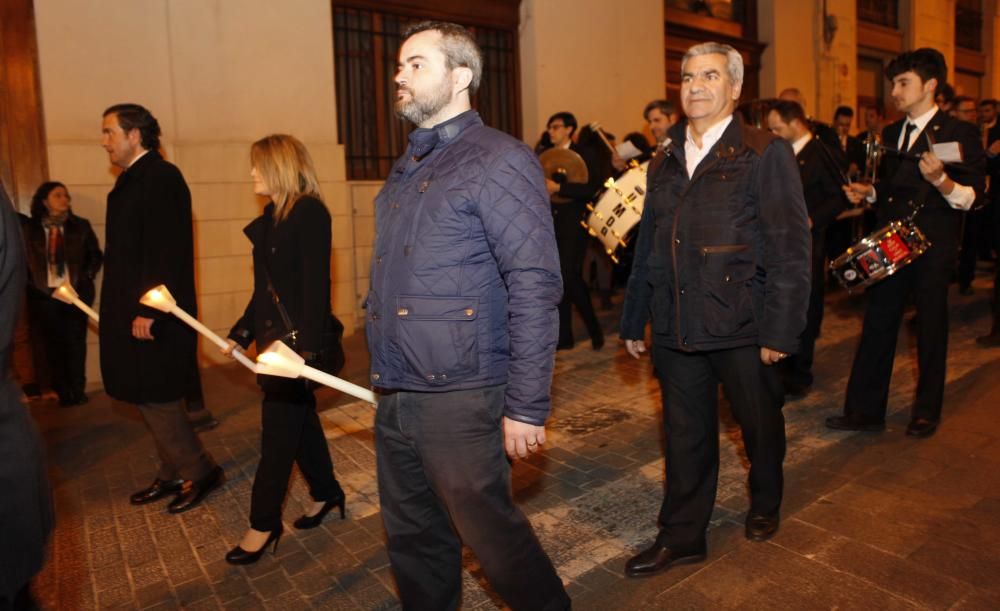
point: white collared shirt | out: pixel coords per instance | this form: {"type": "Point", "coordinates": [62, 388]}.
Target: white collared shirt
{"type": "Point", "coordinates": [961, 196]}
{"type": "Point", "coordinates": [801, 143]}
{"type": "Point", "coordinates": [693, 154]}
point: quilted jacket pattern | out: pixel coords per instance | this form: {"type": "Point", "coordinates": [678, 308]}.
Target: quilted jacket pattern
{"type": "Point", "coordinates": [465, 273]}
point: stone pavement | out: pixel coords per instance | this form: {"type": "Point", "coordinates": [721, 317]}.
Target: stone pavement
{"type": "Point", "coordinates": [870, 521]}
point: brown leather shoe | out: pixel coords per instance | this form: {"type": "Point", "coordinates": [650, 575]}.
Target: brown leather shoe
{"type": "Point", "coordinates": [157, 490]}
{"type": "Point", "coordinates": [194, 492]}
{"type": "Point", "coordinates": [659, 558]}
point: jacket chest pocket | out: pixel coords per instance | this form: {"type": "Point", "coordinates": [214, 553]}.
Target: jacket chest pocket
{"type": "Point", "coordinates": [438, 336]}
{"type": "Point", "coordinates": [727, 273]}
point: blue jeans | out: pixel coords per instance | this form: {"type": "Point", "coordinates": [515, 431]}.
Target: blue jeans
{"type": "Point", "coordinates": [441, 463]}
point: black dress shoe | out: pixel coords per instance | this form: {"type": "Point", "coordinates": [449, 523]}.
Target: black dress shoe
{"type": "Point", "coordinates": [159, 489]}
{"type": "Point", "coordinates": [795, 391]}
{"type": "Point", "coordinates": [238, 555]}
{"type": "Point", "coordinates": [854, 423]}
{"type": "Point", "coordinates": [921, 427]}
{"type": "Point", "coordinates": [565, 345]}
{"type": "Point", "coordinates": [659, 558]}
{"type": "Point", "coordinates": [306, 522]}
{"type": "Point", "coordinates": [761, 527]}
{"type": "Point", "coordinates": [194, 492]}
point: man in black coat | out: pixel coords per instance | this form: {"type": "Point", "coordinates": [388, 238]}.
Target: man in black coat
{"type": "Point", "coordinates": [147, 357]}
{"type": "Point", "coordinates": [722, 270]}
{"type": "Point", "coordinates": [914, 184]}
{"type": "Point", "coordinates": [26, 516]}
{"type": "Point", "coordinates": [821, 182]}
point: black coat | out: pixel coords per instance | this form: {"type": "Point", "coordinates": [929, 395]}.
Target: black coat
{"type": "Point", "coordinates": [83, 256]}
{"type": "Point", "coordinates": [26, 515]}
{"type": "Point", "coordinates": [722, 259]}
{"type": "Point", "coordinates": [149, 241]}
{"type": "Point", "coordinates": [820, 185]}
{"type": "Point", "coordinates": [296, 255]}
{"type": "Point", "coordinates": [901, 186]}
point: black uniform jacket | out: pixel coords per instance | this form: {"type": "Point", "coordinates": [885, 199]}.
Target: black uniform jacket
{"type": "Point", "coordinates": [148, 242]}
{"type": "Point", "coordinates": [722, 259]}
{"type": "Point", "coordinates": [296, 254]}
{"type": "Point", "coordinates": [820, 185]}
{"type": "Point", "coordinates": [901, 186]}
{"type": "Point", "coordinates": [83, 256]}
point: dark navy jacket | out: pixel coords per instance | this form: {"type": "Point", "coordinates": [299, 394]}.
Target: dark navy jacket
{"type": "Point", "coordinates": [465, 273]}
{"type": "Point", "coordinates": [722, 259]}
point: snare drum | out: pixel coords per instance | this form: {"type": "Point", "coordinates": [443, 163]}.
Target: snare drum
{"type": "Point", "coordinates": [618, 210]}
{"type": "Point", "coordinates": [880, 254]}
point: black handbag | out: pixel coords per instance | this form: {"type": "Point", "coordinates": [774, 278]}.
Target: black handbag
{"type": "Point", "coordinates": [330, 357]}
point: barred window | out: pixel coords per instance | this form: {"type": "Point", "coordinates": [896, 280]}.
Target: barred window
{"type": "Point", "coordinates": [879, 12]}
{"type": "Point", "coordinates": [969, 24]}
{"type": "Point", "coordinates": [366, 42]}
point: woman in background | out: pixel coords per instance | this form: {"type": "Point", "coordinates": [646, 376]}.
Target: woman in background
{"type": "Point", "coordinates": [291, 262]}
{"type": "Point", "coordinates": [61, 248]}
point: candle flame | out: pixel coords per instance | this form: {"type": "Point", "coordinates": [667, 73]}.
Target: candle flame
{"type": "Point", "coordinates": [269, 358]}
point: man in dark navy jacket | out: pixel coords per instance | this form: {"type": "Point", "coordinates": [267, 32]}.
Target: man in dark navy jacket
{"type": "Point", "coordinates": [462, 327]}
{"type": "Point", "coordinates": [722, 271]}
{"type": "Point", "coordinates": [914, 184]}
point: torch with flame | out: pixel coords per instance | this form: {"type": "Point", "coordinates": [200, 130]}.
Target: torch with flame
{"type": "Point", "coordinates": [159, 298]}
{"type": "Point", "coordinates": [280, 360]}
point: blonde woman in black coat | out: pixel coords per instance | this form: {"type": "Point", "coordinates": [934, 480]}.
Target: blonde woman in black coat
{"type": "Point", "coordinates": [291, 258]}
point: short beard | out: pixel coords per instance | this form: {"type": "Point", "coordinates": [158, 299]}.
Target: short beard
{"type": "Point", "coordinates": [419, 109]}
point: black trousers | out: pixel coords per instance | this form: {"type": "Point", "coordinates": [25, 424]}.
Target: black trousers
{"type": "Point", "coordinates": [64, 331]}
{"type": "Point", "coordinates": [290, 433]}
{"type": "Point", "coordinates": [181, 452]}
{"type": "Point", "coordinates": [572, 239]}
{"type": "Point", "coordinates": [444, 479]}
{"type": "Point", "coordinates": [926, 280]}
{"type": "Point", "coordinates": [689, 383]}
{"type": "Point", "coordinates": [798, 367]}
{"type": "Point", "coordinates": [996, 274]}
{"type": "Point", "coordinates": [977, 230]}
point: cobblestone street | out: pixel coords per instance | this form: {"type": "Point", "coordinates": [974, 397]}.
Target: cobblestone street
{"type": "Point", "coordinates": [870, 521]}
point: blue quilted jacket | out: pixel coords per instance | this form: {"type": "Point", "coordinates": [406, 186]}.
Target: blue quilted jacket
{"type": "Point", "coordinates": [465, 273]}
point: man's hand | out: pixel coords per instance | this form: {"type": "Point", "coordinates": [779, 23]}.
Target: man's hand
{"type": "Point", "coordinates": [994, 149]}
{"type": "Point", "coordinates": [228, 350]}
{"type": "Point", "coordinates": [635, 347]}
{"type": "Point", "coordinates": [142, 328]}
{"type": "Point", "coordinates": [769, 356]}
{"type": "Point", "coordinates": [857, 192]}
{"type": "Point", "coordinates": [931, 167]}
{"type": "Point", "coordinates": [521, 438]}
{"type": "Point", "coordinates": [551, 186]}
{"type": "Point", "coordinates": [617, 162]}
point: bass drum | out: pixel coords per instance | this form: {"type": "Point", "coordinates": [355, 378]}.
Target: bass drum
{"type": "Point", "coordinates": [618, 210]}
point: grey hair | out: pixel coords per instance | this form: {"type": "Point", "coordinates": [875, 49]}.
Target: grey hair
{"type": "Point", "coordinates": [734, 61]}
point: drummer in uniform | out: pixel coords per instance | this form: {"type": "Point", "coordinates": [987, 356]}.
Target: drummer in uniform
{"type": "Point", "coordinates": [915, 184]}
{"type": "Point", "coordinates": [569, 206]}
{"type": "Point", "coordinates": [821, 186]}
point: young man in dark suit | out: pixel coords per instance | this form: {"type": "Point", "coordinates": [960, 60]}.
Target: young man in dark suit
{"type": "Point", "coordinates": [821, 184]}
{"type": "Point", "coordinates": [915, 184]}
{"type": "Point", "coordinates": [147, 357]}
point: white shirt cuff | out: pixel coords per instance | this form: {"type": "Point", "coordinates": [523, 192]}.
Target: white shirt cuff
{"type": "Point", "coordinates": [961, 197]}
{"type": "Point", "coordinates": [871, 199]}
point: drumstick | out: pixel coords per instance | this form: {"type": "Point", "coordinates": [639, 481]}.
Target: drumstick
{"type": "Point", "coordinates": [596, 127]}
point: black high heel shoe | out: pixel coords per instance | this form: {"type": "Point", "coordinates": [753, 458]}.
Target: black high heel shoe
{"type": "Point", "coordinates": [238, 555]}
{"type": "Point", "coordinates": [306, 522]}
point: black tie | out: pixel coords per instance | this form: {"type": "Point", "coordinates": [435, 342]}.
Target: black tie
{"type": "Point", "coordinates": [906, 137]}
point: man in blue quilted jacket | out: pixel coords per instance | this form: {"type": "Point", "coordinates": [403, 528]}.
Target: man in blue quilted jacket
{"type": "Point", "coordinates": [462, 326]}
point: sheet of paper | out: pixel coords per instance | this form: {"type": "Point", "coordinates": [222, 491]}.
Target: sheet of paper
{"type": "Point", "coordinates": [948, 152]}
{"type": "Point", "coordinates": [626, 150]}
